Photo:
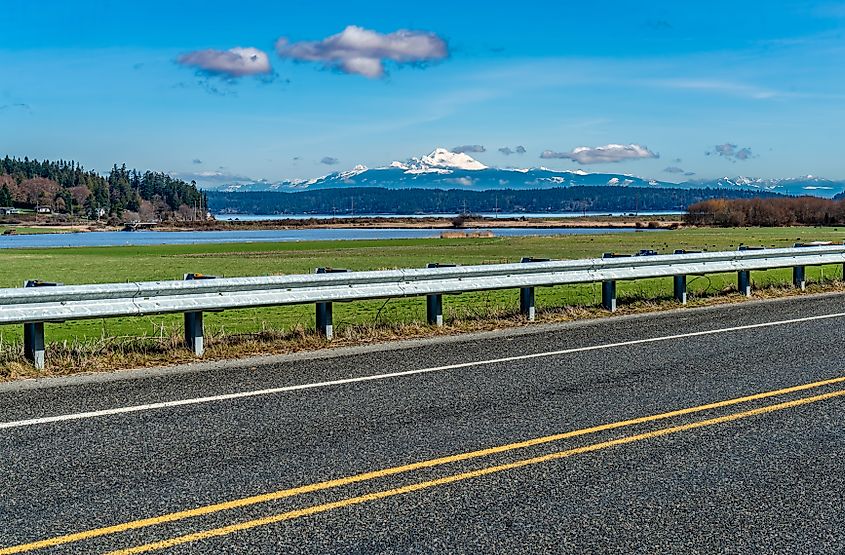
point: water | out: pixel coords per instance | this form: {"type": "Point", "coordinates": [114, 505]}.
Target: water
{"type": "Point", "coordinates": [136, 238]}
{"type": "Point", "coordinates": [270, 217]}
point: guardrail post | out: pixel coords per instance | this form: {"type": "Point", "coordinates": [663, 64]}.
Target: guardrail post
{"type": "Point", "coordinates": [324, 320]}
{"type": "Point", "coordinates": [526, 303]}
{"type": "Point", "coordinates": [434, 310]}
{"type": "Point", "coordinates": [608, 295]}
{"type": "Point", "coordinates": [608, 288]}
{"type": "Point", "coordinates": [798, 277]}
{"type": "Point", "coordinates": [434, 303]}
{"type": "Point", "coordinates": [194, 334]}
{"type": "Point", "coordinates": [743, 282]}
{"type": "Point", "coordinates": [194, 331]}
{"type": "Point", "coordinates": [680, 288]}
{"type": "Point", "coordinates": [324, 310]}
{"type": "Point", "coordinates": [743, 278]}
{"type": "Point", "coordinates": [680, 282]}
{"type": "Point", "coordinates": [526, 294]}
{"type": "Point", "coordinates": [34, 345]}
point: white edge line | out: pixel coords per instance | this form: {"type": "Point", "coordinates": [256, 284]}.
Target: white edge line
{"type": "Point", "coordinates": [374, 377]}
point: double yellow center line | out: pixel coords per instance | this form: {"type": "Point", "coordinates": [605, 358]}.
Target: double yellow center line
{"type": "Point", "coordinates": [330, 484]}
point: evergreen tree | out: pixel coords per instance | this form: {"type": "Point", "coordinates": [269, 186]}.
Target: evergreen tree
{"type": "Point", "coordinates": [5, 196]}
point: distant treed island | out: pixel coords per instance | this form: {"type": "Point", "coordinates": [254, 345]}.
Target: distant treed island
{"type": "Point", "coordinates": [370, 200]}
{"type": "Point", "coordinates": [65, 187]}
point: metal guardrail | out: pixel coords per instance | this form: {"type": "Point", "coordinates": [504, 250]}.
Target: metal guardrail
{"type": "Point", "coordinates": [34, 306]}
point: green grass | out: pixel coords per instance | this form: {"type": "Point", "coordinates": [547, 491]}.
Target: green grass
{"type": "Point", "coordinates": [24, 230]}
{"type": "Point", "coordinates": [120, 264]}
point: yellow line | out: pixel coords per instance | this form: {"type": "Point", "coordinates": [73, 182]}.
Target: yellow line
{"type": "Point", "coordinates": [329, 484]}
{"type": "Point", "coordinates": [226, 530]}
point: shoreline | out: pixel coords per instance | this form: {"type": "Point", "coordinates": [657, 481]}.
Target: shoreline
{"type": "Point", "coordinates": [381, 222]}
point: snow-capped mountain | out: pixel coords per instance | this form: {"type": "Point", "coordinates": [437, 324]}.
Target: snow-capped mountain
{"type": "Point", "coordinates": [440, 161]}
{"type": "Point", "coordinates": [443, 169]}
{"type": "Point", "coordinates": [806, 185]}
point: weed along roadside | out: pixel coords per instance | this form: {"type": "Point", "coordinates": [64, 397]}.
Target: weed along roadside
{"type": "Point", "coordinates": [105, 344]}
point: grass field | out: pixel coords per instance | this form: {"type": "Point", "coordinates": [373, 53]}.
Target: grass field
{"type": "Point", "coordinates": [120, 264]}
{"type": "Point", "coordinates": [24, 230]}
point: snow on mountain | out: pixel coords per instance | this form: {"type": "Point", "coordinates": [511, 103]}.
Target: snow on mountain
{"type": "Point", "coordinates": [806, 185]}
{"type": "Point", "coordinates": [442, 158]}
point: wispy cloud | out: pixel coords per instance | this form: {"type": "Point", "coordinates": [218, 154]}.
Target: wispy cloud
{"type": "Point", "coordinates": [608, 154]}
{"type": "Point", "coordinates": [212, 177]}
{"type": "Point", "coordinates": [658, 25]}
{"type": "Point", "coordinates": [507, 151]}
{"type": "Point", "coordinates": [718, 86]}
{"type": "Point", "coordinates": [231, 64]}
{"type": "Point", "coordinates": [16, 106]}
{"type": "Point", "coordinates": [469, 148]}
{"type": "Point", "coordinates": [364, 52]}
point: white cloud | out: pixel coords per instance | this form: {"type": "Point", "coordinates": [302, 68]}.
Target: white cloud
{"type": "Point", "coordinates": [363, 52]}
{"type": "Point", "coordinates": [235, 62]}
{"type": "Point", "coordinates": [607, 154]}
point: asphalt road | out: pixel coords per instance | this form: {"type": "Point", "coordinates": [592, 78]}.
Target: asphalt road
{"type": "Point", "coordinates": [551, 439]}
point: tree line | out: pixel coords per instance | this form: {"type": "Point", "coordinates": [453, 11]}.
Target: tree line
{"type": "Point", "coordinates": [66, 187]}
{"type": "Point", "coordinates": [370, 200]}
{"type": "Point", "coordinates": [767, 212]}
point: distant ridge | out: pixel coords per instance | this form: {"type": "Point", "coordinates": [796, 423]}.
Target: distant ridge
{"type": "Point", "coordinates": [443, 169]}
{"type": "Point", "coordinates": [373, 200]}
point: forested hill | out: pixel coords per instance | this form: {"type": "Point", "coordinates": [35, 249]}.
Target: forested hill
{"type": "Point", "coordinates": [368, 200]}
{"type": "Point", "coordinates": [66, 187]}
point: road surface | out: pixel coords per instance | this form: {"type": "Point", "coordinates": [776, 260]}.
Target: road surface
{"type": "Point", "coordinates": [692, 431]}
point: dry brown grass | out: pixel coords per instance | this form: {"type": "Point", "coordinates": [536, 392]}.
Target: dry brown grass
{"type": "Point", "coordinates": [165, 348]}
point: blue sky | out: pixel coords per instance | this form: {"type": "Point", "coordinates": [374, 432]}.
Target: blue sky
{"type": "Point", "coordinates": [714, 89]}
